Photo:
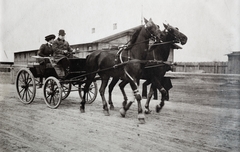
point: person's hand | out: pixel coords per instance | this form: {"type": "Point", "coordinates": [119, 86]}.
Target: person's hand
{"type": "Point", "coordinates": [65, 51]}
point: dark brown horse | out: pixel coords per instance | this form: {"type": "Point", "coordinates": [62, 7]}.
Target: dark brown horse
{"type": "Point", "coordinates": [153, 72]}
{"type": "Point", "coordinates": [104, 63]}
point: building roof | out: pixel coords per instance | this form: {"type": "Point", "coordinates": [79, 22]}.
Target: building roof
{"type": "Point", "coordinates": [117, 35]}
{"type": "Point", "coordinates": [234, 54]}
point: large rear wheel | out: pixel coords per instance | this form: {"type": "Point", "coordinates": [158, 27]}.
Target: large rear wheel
{"type": "Point", "coordinates": [52, 91]}
{"type": "Point", "coordinates": [91, 93]}
{"type": "Point", "coordinates": [25, 86]}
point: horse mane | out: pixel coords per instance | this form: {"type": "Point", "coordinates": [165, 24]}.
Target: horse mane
{"type": "Point", "coordinates": [134, 37]}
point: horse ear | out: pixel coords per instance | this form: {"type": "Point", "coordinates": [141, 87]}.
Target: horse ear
{"type": "Point", "coordinates": [145, 20]}
{"type": "Point", "coordinates": [165, 25]}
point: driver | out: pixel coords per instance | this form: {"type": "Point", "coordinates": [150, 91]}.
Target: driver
{"type": "Point", "coordinates": [61, 50]}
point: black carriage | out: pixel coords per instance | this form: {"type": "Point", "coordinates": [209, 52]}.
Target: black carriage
{"type": "Point", "coordinates": [55, 88]}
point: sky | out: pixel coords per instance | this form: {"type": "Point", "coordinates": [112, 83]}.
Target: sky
{"type": "Point", "coordinates": [212, 26]}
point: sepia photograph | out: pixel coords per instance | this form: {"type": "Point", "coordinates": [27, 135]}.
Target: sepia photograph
{"type": "Point", "coordinates": [119, 75]}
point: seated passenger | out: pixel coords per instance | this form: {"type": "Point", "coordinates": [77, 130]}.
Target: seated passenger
{"type": "Point", "coordinates": [61, 50]}
{"type": "Point", "coordinates": [45, 51]}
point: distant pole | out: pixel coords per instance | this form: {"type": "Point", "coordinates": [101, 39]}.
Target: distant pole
{"type": "Point", "coordinates": [5, 54]}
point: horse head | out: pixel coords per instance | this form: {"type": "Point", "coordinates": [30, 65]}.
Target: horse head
{"type": "Point", "coordinates": [173, 34]}
{"type": "Point", "coordinates": [152, 28]}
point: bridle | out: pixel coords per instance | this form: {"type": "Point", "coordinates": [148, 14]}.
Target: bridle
{"type": "Point", "coordinates": [176, 39]}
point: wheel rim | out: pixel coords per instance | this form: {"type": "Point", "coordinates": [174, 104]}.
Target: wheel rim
{"type": "Point", "coordinates": [91, 94]}
{"type": "Point", "coordinates": [25, 85]}
{"type": "Point", "coordinates": [52, 92]}
{"type": "Point", "coordinates": [66, 89]}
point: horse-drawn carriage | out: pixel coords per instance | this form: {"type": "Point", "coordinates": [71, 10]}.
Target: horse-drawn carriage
{"type": "Point", "coordinates": [127, 64]}
{"type": "Point", "coordinates": [55, 88]}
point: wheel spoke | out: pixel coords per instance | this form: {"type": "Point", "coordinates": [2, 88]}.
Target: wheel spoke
{"type": "Point", "coordinates": [26, 95]}
{"type": "Point", "coordinates": [90, 97]}
{"type": "Point", "coordinates": [20, 80]}
{"type": "Point", "coordinates": [22, 76]}
{"type": "Point", "coordinates": [30, 91]}
{"type": "Point", "coordinates": [29, 81]}
{"type": "Point", "coordinates": [48, 96]}
{"type": "Point", "coordinates": [23, 94]}
{"type": "Point", "coordinates": [21, 90]}
{"type": "Point", "coordinates": [50, 101]}
{"type": "Point", "coordinates": [53, 100]}
{"type": "Point", "coordinates": [92, 92]}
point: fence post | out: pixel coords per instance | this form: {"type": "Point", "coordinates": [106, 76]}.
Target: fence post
{"type": "Point", "coordinates": [12, 74]}
{"type": "Point", "coordinates": [215, 67]}
{"type": "Point", "coordinates": [185, 67]}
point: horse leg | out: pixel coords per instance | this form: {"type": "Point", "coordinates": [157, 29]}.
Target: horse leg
{"type": "Point", "coordinates": [150, 94]}
{"type": "Point", "coordinates": [122, 86]}
{"type": "Point", "coordinates": [86, 88]}
{"type": "Point", "coordinates": [110, 89]}
{"type": "Point", "coordinates": [144, 89]}
{"type": "Point", "coordinates": [155, 96]}
{"type": "Point", "coordinates": [164, 94]}
{"type": "Point", "coordinates": [138, 97]}
{"type": "Point", "coordinates": [102, 93]}
{"type": "Point", "coordinates": [167, 84]}
{"type": "Point", "coordinates": [125, 99]}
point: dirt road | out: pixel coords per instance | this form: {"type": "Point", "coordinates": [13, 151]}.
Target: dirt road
{"type": "Point", "coordinates": [200, 116]}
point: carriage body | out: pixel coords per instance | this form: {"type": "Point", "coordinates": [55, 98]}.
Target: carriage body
{"type": "Point", "coordinates": [55, 88]}
{"type": "Point", "coordinates": [44, 67]}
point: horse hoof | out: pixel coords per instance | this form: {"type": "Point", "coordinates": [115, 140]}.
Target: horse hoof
{"type": "Point", "coordinates": [158, 108]}
{"type": "Point", "coordinates": [82, 110]}
{"type": "Point", "coordinates": [106, 112]}
{"type": "Point", "coordinates": [111, 107]}
{"type": "Point", "coordinates": [122, 112]}
{"type": "Point", "coordinates": [147, 111]}
{"type": "Point", "coordinates": [141, 118]}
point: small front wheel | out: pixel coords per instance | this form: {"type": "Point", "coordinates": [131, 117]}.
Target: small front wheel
{"type": "Point", "coordinates": [52, 91]}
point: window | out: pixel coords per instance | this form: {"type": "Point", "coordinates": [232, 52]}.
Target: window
{"type": "Point", "coordinates": [93, 30]}
{"type": "Point", "coordinates": [114, 26]}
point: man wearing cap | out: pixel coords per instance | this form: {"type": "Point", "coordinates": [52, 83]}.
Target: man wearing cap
{"type": "Point", "coordinates": [61, 49]}
{"type": "Point", "coordinates": [45, 51]}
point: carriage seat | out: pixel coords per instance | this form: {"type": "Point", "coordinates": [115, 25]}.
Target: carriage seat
{"type": "Point", "coordinates": [43, 60]}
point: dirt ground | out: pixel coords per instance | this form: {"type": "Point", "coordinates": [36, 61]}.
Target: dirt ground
{"type": "Point", "coordinates": [200, 116]}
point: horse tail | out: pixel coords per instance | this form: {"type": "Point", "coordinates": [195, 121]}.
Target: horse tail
{"type": "Point", "coordinates": [92, 61]}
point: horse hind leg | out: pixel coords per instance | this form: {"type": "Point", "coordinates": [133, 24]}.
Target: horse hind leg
{"type": "Point", "coordinates": [150, 94]}
{"type": "Point", "coordinates": [110, 89]}
{"type": "Point", "coordinates": [162, 103]}
{"type": "Point", "coordinates": [102, 93]}
{"type": "Point", "coordinates": [123, 110]}
{"type": "Point", "coordinates": [86, 88]}
{"type": "Point", "coordinates": [157, 84]}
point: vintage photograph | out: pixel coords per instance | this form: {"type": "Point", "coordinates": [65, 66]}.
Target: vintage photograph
{"type": "Point", "coordinates": [119, 75]}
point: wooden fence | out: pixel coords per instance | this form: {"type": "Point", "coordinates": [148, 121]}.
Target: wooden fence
{"type": "Point", "coordinates": [205, 67]}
